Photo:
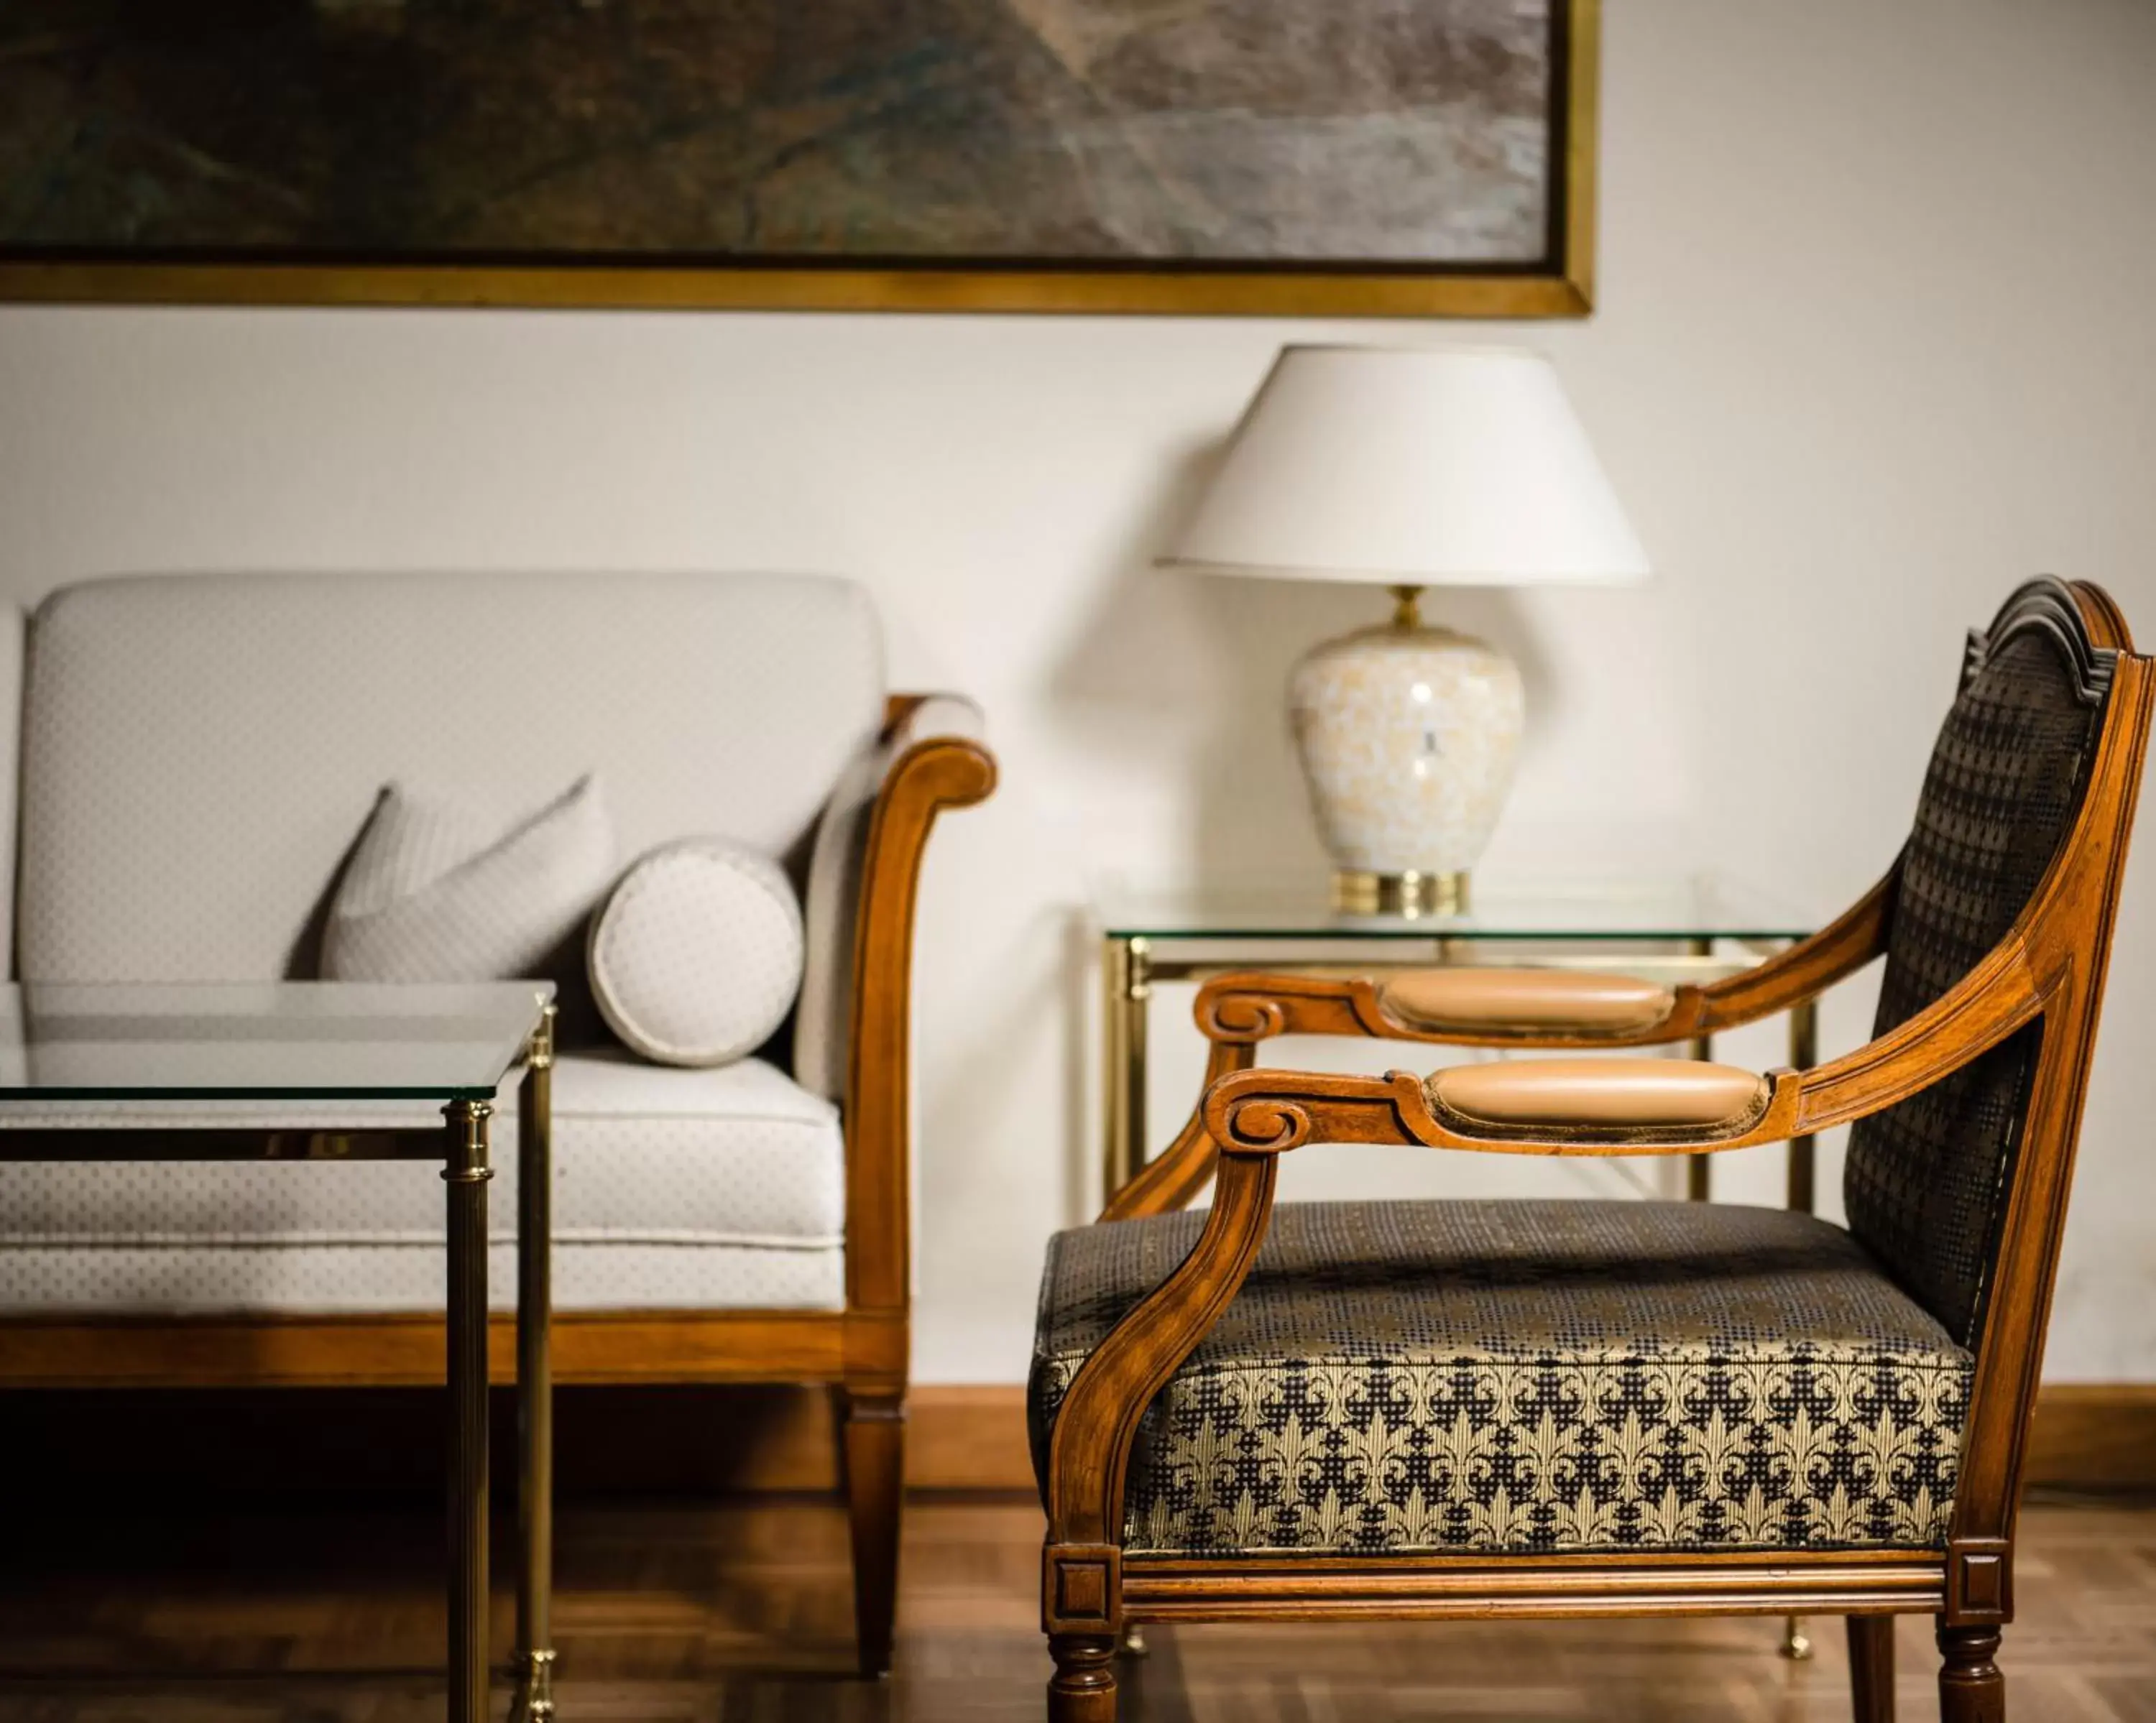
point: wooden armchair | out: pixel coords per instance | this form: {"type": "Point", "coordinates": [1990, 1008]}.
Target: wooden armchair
{"type": "Point", "coordinates": [1450, 1409]}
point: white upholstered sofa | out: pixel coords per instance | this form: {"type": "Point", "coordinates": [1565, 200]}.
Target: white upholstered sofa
{"type": "Point", "coordinates": [197, 756]}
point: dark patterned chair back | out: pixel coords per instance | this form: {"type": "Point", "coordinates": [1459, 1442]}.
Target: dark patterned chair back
{"type": "Point", "coordinates": [1926, 1183]}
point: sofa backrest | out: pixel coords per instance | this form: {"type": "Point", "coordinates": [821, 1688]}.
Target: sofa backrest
{"type": "Point", "coordinates": [199, 752]}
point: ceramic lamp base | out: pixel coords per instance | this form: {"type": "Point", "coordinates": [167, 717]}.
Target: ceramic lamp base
{"type": "Point", "coordinates": [1409, 735]}
{"type": "Point", "coordinates": [1410, 896]}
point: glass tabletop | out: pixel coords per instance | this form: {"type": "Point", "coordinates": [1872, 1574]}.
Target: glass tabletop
{"type": "Point", "coordinates": [1680, 907]}
{"type": "Point", "coordinates": [331, 1041]}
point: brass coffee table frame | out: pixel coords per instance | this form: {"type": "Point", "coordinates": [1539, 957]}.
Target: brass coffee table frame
{"type": "Point", "coordinates": [461, 1145]}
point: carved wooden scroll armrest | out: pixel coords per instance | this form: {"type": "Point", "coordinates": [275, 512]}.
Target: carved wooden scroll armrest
{"type": "Point", "coordinates": [1591, 1106]}
{"type": "Point", "coordinates": [1618, 1093]}
{"type": "Point", "coordinates": [1564, 1001]}
{"type": "Point", "coordinates": [1541, 1008]}
{"type": "Point", "coordinates": [1456, 1007]}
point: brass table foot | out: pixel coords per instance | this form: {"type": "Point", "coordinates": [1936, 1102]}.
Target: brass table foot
{"type": "Point", "coordinates": [1134, 1640]}
{"type": "Point", "coordinates": [534, 1688]}
{"type": "Point", "coordinates": [1796, 1644]}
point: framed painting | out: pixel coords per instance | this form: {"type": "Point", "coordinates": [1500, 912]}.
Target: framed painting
{"type": "Point", "coordinates": [1385, 157]}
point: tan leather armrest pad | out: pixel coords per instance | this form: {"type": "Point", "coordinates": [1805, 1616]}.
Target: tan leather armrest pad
{"type": "Point", "coordinates": [1618, 1092]}
{"type": "Point", "coordinates": [1467, 998]}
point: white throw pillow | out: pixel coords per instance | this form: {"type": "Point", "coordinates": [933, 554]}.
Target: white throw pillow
{"type": "Point", "coordinates": [696, 957]}
{"type": "Point", "coordinates": [437, 890]}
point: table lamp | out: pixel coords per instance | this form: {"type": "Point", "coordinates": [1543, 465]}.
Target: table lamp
{"type": "Point", "coordinates": [1407, 469]}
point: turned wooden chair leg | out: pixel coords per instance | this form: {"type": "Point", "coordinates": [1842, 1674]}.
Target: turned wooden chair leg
{"type": "Point", "coordinates": [875, 1486]}
{"type": "Point", "coordinates": [1871, 1668]}
{"type": "Point", "coordinates": [1971, 1688]}
{"type": "Point", "coordinates": [1083, 1688]}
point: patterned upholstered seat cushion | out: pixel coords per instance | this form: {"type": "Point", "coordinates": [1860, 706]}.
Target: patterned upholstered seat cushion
{"type": "Point", "coordinates": [1526, 1377]}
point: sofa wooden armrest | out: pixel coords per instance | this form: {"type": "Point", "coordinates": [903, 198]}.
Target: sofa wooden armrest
{"type": "Point", "coordinates": [929, 773]}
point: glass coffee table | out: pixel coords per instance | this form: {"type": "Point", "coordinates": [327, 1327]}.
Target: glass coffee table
{"type": "Point", "coordinates": [314, 1071]}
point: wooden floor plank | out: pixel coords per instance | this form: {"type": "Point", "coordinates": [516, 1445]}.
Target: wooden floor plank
{"type": "Point", "coordinates": [737, 1613]}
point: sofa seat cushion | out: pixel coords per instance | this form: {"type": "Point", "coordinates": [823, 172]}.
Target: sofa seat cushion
{"type": "Point", "coordinates": [699, 1189]}
{"type": "Point", "coordinates": [1526, 1377]}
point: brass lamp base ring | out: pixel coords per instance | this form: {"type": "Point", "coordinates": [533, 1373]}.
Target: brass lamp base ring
{"type": "Point", "coordinates": [1410, 896]}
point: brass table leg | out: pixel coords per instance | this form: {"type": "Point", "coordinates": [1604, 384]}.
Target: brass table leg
{"type": "Point", "coordinates": [1699, 1178]}
{"type": "Point", "coordinates": [1803, 1054]}
{"type": "Point", "coordinates": [466, 1174]}
{"type": "Point", "coordinates": [1126, 984]}
{"type": "Point", "coordinates": [534, 1699]}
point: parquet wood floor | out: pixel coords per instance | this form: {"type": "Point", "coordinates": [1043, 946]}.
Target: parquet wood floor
{"type": "Point", "coordinates": [697, 1613]}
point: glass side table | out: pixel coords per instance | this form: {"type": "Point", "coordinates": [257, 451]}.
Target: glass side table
{"type": "Point", "coordinates": [1688, 929]}
{"type": "Point", "coordinates": [322, 1071]}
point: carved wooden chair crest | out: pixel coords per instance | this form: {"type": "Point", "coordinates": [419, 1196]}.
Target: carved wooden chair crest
{"type": "Point", "coordinates": [1461, 1409]}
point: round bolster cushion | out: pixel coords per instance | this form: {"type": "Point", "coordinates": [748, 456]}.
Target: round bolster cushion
{"type": "Point", "coordinates": [695, 958]}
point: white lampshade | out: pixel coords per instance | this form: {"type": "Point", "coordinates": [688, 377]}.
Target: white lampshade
{"type": "Point", "coordinates": [1438, 466]}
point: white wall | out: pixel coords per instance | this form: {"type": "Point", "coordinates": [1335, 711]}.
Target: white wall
{"type": "Point", "coordinates": [1875, 340]}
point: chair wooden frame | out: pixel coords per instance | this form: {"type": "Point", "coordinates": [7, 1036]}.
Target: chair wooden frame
{"type": "Point", "coordinates": [2049, 968]}
{"type": "Point", "coordinates": [863, 1350]}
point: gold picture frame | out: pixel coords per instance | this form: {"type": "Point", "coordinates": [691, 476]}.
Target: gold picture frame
{"type": "Point", "coordinates": [1564, 289]}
